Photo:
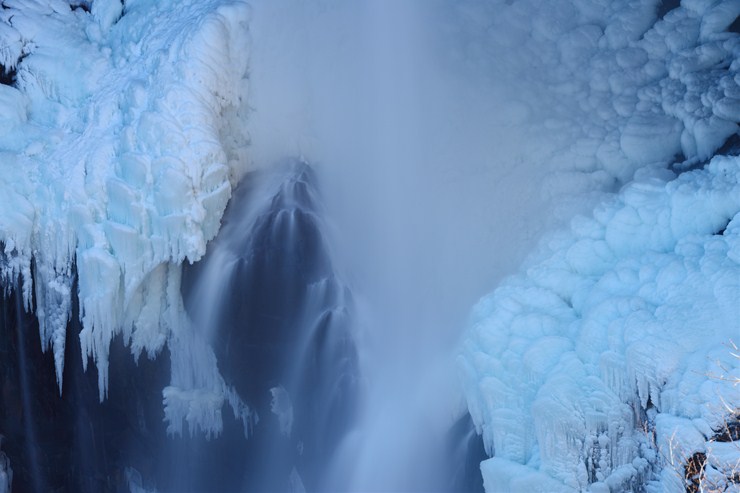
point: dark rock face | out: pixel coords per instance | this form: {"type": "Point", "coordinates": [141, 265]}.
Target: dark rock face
{"type": "Point", "coordinates": [73, 442]}
{"type": "Point", "coordinates": [666, 6]}
{"type": "Point", "coordinates": [7, 75]}
{"type": "Point", "coordinates": [466, 451]}
{"type": "Point", "coordinates": [282, 333]}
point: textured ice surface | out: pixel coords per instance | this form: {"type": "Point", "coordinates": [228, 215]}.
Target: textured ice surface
{"type": "Point", "coordinates": [624, 314]}
{"type": "Point", "coordinates": [607, 352]}
{"type": "Point", "coordinates": [619, 88]}
{"type": "Point", "coordinates": [119, 149]}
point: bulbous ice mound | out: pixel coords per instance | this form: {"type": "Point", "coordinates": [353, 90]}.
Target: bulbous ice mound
{"type": "Point", "coordinates": [607, 353]}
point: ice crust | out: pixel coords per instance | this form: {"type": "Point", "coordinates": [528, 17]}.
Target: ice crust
{"type": "Point", "coordinates": [608, 352]}
{"type": "Point", "coordinates": [627, 313]}
{"type": "Point", "coordinates": [122, 138]}
{"type": "Point", "coordinates": [619, 88]}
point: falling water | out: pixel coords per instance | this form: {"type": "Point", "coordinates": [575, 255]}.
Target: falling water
{"type": "Point", "coordinates": [269, 301]}
{"type": "Point", "coordinates": [360, 88]}
{"type": "Point", "coordinates": [26, 389]}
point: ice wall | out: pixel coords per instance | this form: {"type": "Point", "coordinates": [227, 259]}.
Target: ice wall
{"type": "Point", "coordinates": [626, 313]}
{"type": "Point", "coordinates": [121, 141]}
{"type": "Point", "coordinates": [625, 84]}
{"type": "Point", "coordinates": [607, 353]}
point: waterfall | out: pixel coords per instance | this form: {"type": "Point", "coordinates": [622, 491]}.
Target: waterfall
{"type": "Point", "coordinates": [357, 87]}
{"type": "Point", "coordinates": [326, 311]}
{"type": "Point", "coordinates": [270, 302]}
{"type": "Point", "coordinates": [226, 318]}
{"type": "Point", "coordinates": [291, 337]}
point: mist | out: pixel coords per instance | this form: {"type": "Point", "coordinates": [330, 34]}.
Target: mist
{"type": "Point", "coordinates": [428, 171]}
{"type": "Point", "coordinates": [434, 186]}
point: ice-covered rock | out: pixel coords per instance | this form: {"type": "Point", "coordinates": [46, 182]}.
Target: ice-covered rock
{"type": "Point", "coordinates": [639, 89]}
{"type": "Point", "coordinates": [575, 367]}
{"type": "Point", "coordinates": [120, 147]}
{"type": "Point", "coordinates": [625, 314]}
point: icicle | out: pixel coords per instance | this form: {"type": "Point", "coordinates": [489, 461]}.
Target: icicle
{"type": "Point", "coordinates": [6, 472]}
